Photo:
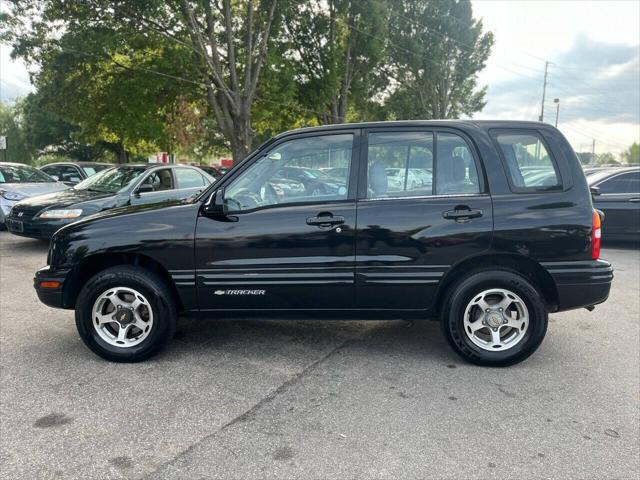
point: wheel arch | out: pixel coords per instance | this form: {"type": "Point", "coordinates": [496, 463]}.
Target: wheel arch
{"type": "Point", "coordinates": [519, 264]}
{"type": "Point", "coordinates": [93, 264]}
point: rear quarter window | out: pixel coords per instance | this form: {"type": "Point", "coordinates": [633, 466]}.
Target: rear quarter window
{"type": "Point", "coordinates": [529, 164]}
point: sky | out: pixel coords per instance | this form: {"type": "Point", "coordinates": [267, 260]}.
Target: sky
{"type": "Point", "coordinates": [594, 50]}
{"type": "Point", "coordinates": [593, 47]}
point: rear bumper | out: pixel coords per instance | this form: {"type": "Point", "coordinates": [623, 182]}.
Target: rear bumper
{"type": "Point", "coordinates": [582, 283]}
{"type": "Point", "coordinates": [53, 297]}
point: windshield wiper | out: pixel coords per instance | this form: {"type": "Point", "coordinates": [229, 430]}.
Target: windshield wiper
{"type": "Point", "coordinates": [97, 190]}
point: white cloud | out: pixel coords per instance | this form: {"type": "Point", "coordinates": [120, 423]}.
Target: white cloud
{"type": "Point", "coordinates": [14, 78]}
{"type": "Point", "coordinates": [595, 50]}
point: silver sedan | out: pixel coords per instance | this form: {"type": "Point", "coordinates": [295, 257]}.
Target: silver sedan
{"type": "Point", "coordinates": [19, 181]}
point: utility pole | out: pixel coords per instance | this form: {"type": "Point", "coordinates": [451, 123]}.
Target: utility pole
{"type": "Point", "coordinates": [557, 102]}
{"type": "Point", "coordinates": [544, 92]}
{"type": "Point", "coordinates": [593, 151]}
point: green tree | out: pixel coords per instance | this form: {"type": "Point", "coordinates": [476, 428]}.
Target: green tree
{"type": "Point", "coordinates": [336, 46]}
{"type": "Point", "coordinates": [606, 158]}
{"type": "Point", "coordinates": [436, 49]}
{"type": "Point", "coordinates": [48, 133]}
{"type": "Point", "coordinates": [12, 127]}
{"type": "Point", "coordinates": [632, 154]}
{"type": "Point", "coordinates": [224, 45]}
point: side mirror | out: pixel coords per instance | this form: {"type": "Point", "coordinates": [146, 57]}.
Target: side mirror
{"type": "Point", "coordinates": [144, 188]}
{"type": "Point", "coordinates": [215, 206]}
{"type": "Point", "coordinates": [595, 191]}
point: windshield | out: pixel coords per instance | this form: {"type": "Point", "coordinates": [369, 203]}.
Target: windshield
{"type": "Point", "coordinates": [23, 174]}
{"type": "Point", "coordinates": [112, 180]}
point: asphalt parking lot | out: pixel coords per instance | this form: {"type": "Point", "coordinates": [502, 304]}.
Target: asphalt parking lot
{"type": "Point", "coordinates": [313, 399]}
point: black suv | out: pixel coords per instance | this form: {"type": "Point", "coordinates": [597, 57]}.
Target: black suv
{"type": "Point", "coordinates": [499, 232]}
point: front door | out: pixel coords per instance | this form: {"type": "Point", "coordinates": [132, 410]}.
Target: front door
{"type": "Point", "coordinates": [288, 241]}
{"type": "Point", "coordinates": [160, 187]}
{"type": "Point", "coordinates": [619, 199]}
{"type": "Point", "coordinates": [421, 209]}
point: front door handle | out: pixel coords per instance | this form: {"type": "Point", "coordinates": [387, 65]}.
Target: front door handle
{"type": "Point", "coordinates": [325, 219]}
{"type": "Point", "coordinates": [462, 214]}
{"type": "Point", "coordinates": [634, 199]}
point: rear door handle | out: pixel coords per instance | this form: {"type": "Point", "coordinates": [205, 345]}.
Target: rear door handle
{"type": "Point", "coordinates": [462, 214]}
{"type": "Point", "coordinates": [325, 219]}
{"type": "Point", "coordinates": [634, 199]}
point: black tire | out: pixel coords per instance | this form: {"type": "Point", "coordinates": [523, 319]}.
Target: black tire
{"type": "Point", "coordinates": [3, 226]}
{"type": "Point", "coordinates": [149, 284]}
{"type": "Point", "coordinates": [459, 296]}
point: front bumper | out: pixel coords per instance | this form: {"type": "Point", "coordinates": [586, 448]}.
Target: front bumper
{"type": "Point", "coordinates": [5, 208]}
{"type": "Point", "coordinates": [36, 227]}
{"type": "Point", "coordinates": [53, 297]}
{"type": "Point", "coordinates": [581, 283]}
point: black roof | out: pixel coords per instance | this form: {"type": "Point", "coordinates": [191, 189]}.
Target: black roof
{"type": "Point", "coordinates": [482, 124]}
{"type": "Point", "coordinates": [80, 163]}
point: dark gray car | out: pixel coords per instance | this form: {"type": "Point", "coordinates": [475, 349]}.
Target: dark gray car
{"type": "Point", "coordinates": [40, 217]}
{"type": "Point", "coordinates": [616, 192]}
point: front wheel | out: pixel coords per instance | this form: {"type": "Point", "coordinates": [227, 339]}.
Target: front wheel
{"type": "Point", "coordinates": [494, 318]}
{"type": "Point", "coordinates": [125, 314]}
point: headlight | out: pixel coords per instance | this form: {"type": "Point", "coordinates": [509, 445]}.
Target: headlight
{"type": "Point", "coordinates": [73, 213]}
{"type": "Point", "coordinates": [14, 197]}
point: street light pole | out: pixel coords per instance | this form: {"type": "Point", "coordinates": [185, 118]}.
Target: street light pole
{"type": "Point", "coordinates": [557, 102]}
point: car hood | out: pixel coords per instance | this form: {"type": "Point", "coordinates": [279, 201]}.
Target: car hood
{"type": "Point", "coordinates": [33, 189]}
{"type": "Point", "coordinates": [67, 198]}
{"type": "Point", "coordinates": [149, 209]}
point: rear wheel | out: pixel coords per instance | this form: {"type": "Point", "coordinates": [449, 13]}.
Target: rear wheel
{"type": "Point", "coordinates": [494, 318]}
{"type": "Point", "coordinates": [126, 314]}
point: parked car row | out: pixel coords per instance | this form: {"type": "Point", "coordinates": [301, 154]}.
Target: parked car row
{"type": "Point", "coordinates": [34, 204]}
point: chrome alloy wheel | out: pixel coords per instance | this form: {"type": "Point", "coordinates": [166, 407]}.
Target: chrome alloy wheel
{"type": "Point", "coordinates": [496, 320]}
{"type": "Point", "coordinates": [122, 317]}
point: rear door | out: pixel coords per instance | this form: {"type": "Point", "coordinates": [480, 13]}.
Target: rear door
{"type": "Point", "coordinates": [410, 232]}
{"type": "Point", "coordinates": [284, 245]}
{"type": "Point", "coordinates": [190, 181]}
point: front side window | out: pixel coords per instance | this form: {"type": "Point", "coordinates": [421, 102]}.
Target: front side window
{"type": "Point", "coordinates": [529, 165]}
{"type": "Point", "coordinates": [160, 180]}
{"type": "Point", "coordinates": [294, 172]}
{"type": "Point", "coordinates": [624, 183]}
{"type": "Point", "coordinates": [189, 178]}
{"type": "Point", "coordinates": [69, 173]}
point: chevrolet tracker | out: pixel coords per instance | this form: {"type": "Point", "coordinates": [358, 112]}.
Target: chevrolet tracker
{"type": "Point", "coordinates": [486, 225]}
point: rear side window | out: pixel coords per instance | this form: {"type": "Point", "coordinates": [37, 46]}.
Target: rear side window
{"type": "Point", "coordinates": [406, 164]}
{"type": "Point", "coordinates": [400, 164]}
{"type": "Point", "coordinates": [188, 178]}
{"type": "Point", "coordinates": [530, 167]}
{"type": "Point", "coordinates": [456, 171]}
